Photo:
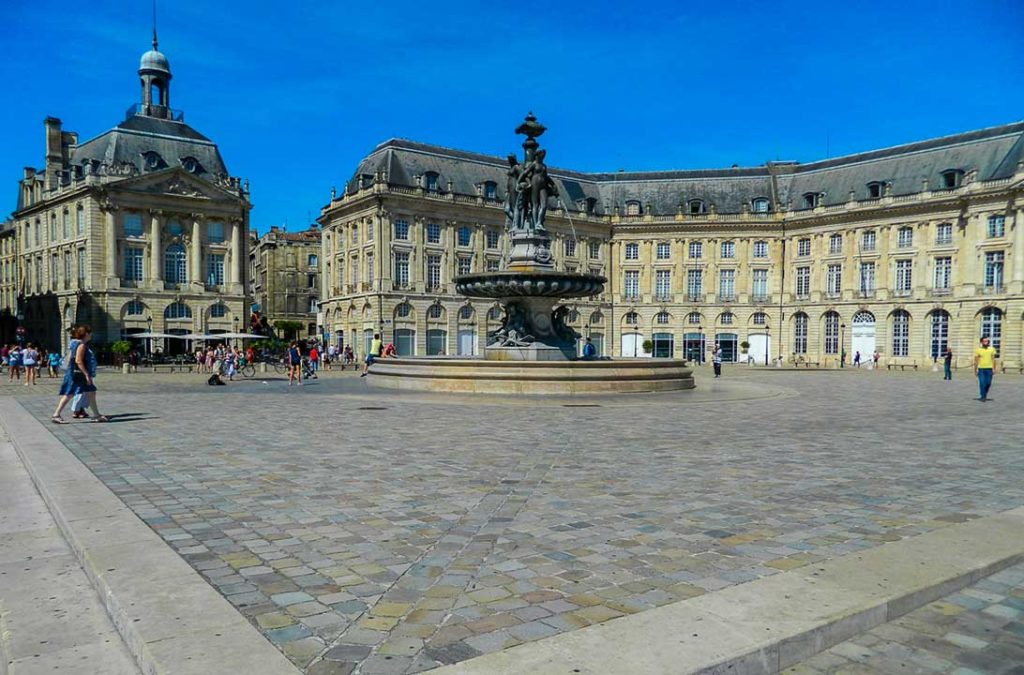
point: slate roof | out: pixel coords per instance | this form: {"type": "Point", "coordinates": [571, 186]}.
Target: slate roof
{"type": "Point", "coordinates": [138, 134]}
{"type": "Point", "coordinates": [992, 153]}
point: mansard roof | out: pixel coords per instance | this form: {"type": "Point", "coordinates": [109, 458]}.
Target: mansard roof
{"type": "Point", "coordinates": [990, 153]}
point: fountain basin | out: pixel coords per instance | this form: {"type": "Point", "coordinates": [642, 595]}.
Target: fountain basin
{"type": "Point", "coordinates": [536, 284]}
{"type": "Point", "coordinates": [481, 376]}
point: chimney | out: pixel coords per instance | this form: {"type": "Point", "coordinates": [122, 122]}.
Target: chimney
{"type": "Point", "coordinates": [54, 154]}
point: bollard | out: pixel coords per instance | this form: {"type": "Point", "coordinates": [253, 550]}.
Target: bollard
{"type": "Point", "coordinates": [263, 367]}
{"type": "Point", "coordinates": [125, 368]}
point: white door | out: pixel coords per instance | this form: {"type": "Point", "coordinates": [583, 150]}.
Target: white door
{"type": "Point", "coordinates": [467, 343]}
{"type": "Point", "coordinates": [760, 346]}
{"type": "Point", "coordinates": [632, 345]}
{"type": "Point", "coordinates": [862, 337]}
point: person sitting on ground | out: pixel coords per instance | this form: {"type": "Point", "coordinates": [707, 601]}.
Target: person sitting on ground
{"type": "Point", "coordinates": [217, 370]}
{"type": "Point", "coordinates": [589, 350]}
{"type": "Point", "coordinates": [390, 352]}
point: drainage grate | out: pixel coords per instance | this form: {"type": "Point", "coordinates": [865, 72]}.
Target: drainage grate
{"type": "Point", "coordinates": [370, 408]}
{"type": "Point", "coordinates": [581, 405]}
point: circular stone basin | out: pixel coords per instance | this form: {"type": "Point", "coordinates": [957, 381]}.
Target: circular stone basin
{"type": "Point", "coordinates": [481, 376]}
{"type": "Point", "coordinates": [529, 284]}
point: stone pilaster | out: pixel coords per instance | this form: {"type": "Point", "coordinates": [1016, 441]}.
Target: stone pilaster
{"type": "Point", "coordinates": [156, 269]}
{"type": "Point", "coordinates": [1017, 272]}
{"type": "Point", "coordinates": [195, 255]}
{"type": "Point", "coordinates": [110, 247]}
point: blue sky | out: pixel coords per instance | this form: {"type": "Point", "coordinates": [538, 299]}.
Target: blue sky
{"type": "Point", "coordinates": [295, 93]}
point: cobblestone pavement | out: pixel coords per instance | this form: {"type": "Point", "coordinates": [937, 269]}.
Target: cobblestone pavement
{"type": "Point", "coordinates": [382, 532]}
{"type": "Point", "coordinates": [978, 630]}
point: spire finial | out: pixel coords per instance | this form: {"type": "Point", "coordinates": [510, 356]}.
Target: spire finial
{"type": "Point", "coordinates": [154, 26]}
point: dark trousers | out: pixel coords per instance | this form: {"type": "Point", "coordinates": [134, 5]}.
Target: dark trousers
{"type": "Point", "coordinates": [984, 381]}
{"type": "Point", "coordinates": [718, 369]}
{"type": "Point", "coordinates": [949, 372]}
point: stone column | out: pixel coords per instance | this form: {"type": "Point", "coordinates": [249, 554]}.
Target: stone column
{"type": "Point", "coordinates": [156, 270]}
{"type": "Point", "coordinates": [1017, 274]}
{"type": "Point", "coordinates": [110, 241]}
{"type": "Point", "coordinates": [195, 257]}
{"type": "Point", "coordinates": [236, 275]}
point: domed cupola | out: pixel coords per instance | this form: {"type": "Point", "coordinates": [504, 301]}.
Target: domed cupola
{"type": "Point", "coordinates": [155, 75]}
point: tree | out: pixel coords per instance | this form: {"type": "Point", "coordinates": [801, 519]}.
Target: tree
{"type": "Point", "coordinates": [288, 329]}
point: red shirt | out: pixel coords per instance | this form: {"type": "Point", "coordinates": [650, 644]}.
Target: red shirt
{"type": "Point", "coordinates": [314, 354]}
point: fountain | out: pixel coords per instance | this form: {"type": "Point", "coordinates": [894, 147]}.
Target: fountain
{"type": "Point", "coordinates": [534, 350]}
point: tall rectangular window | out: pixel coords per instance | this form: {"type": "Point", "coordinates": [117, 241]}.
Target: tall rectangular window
{"type": "Point", "coordinates": [996, 226]}
{"type": "Point", "coordinates": [831, 333]}
{"type": "Point", "coordinates": [663, 284]}
{"type": "Point", "coordinates": [728, 249]}
{"type": "Point", "coordinates": [693, 284]}
{"type": "Point", "coordinates": [80, 220]}
{"type": "Point", "coordinates": [81, 267]}
{"type": "Point", "coordinates": [66, 220]}
{"type": "Point", "coordinates": [994, 270]}
{"type": "Point", "coordinates": [803, 282]}
{"type": "Point", "coordinates": [696, 250]}
{"type": "Point", "coordinates": [760, 249]}
{"type": "Point", "coordinates": [215, 269]}
{"type": "Point", "coordinates": [369, 232]}
{"type": "Point", "coordinates": [664, 250]}
{"type": "Point", "coordinates": [631, 287]}
{"type": "Point", "coordinates": [800, 334]}
{"type": "Point", "coordinates": [39, 274]}
{"type": "Point", "coordinates": [53, 271]}
{"type": "Point", "coordinates": [493, 237]}
{"type": "Point", "coordinates": [905, 237]}
{"type": "Point", "coordinates": [943, 272]}
{"type": "Point", "coordinates": [492, 264]}
{"type": "Point", "coordinates": [904, 276]}
{"type": "Point", "coordinates": [835, 243]}
{"type": "Point", "coordinates": [401, 229]}
{"type": "Point", "coordinates": [867, 278]}
{"type": "Point", "coordinates": [759, 287]}
{"type": "Point", "coordinates": [803, 247]}
{"type": "Point", "coordinates": [133, 264]}
{"type": "Point", "coordinates": [834, 280]}
{"type": "Point", "coordinates": [726, 284]}
{"type": "Point", "coordinates": [67, 270]}
{"type": "Point", "coordinates": [867, 241]}
{"type": "Point", "coordinates": [465, 264]}
{"type": "Point", "coordinates": [570, 248]}
{"type": "Point", "coordinates": [354, 267]}
{"type": "Point", "coordinates": [632, 251]}
{"type": "Point", "coordinates": [215, 231]}
{"type": "Point", "coordinates": [465, 236]}
{"type": "Point", "coordinates": [433, 233]}
{"type": "Point", "coordinates": [355, 233]}
{"type": "Point", "coordinates": [433, 272]}
{"type": "Point", "coordinates": [369, 269]}
{"type": "Point", "coordinates": [944, 233]}
{"type": "Point", "coordinates": [401, 269]}
{"type": "Point", "coordinates": [594, 250]}
{"type": "Point", "coordinates": [900, 333]}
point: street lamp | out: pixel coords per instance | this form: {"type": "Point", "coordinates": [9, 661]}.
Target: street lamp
{"type": "Point", "coordinates": [636, 338]}
{"type": "Point", "coordinates": [842, 348]}
{"type": "Point", "coordinates": [700, 345]}
{"type": "Point", "coordinates": [767, 340]}
{"type": "Point", "coordinates": [149, 329]}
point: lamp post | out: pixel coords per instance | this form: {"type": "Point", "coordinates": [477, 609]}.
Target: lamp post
{"type": "Point", "coordinates": [237, 330]}
{"type": "Point", "coordinates": [700, 345]}
{"type": "Point", "coordinates": [767, 340]}
{"type": "Point", "coordinates": [149, 340]}
{"type": "Point", "coordinates": [636, 339]}
{"type": "Point", "coordinates": [19, 330]}
{"type": "Point", "coordinates": [842, 347]}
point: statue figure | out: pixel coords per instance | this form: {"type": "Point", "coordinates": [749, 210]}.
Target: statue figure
{"type": "Point", "coordinates": [514, 202]}
{"type": "Point", "coordinates": [560, 326]}
{"type": "Point", "coordinates": [515, 339]}
{"type": "Point", "coordinates": [535, 186]}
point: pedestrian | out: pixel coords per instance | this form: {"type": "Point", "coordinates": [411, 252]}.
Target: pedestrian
{"type": "Point", "coordinates": [53, 363]}
{"type": "Point", "coordinates": [4, 353]}
{"type": "Point", "coordinates": [30, 359]}
{"type": "Point", "coordinates": [375, 348]}
{"type": "Point", "coordinates": [14, 363]}
{"type": "Point", "coordinates": [716, 360]}
{"type": "Point", "coordinates": [856, 359]}
{"type": "Point", "coordinates": [133, 361]}
{"type": "Point", "coordinates": [350, 357]}
{"type": "Point", "coordinates": [229, 362]}
{"type": "Point", "coordinates": [589, 350]}
{"type": "Point", "coordinates": [200, 360]}
{"type": "Point", "coordinates": [875, 359]}
{"type": "Point", "coordinates": [984, 367]}
{"type": "Point", "coordinates": [79, 376]}
{"type": "Point", "coordinates": [947, 364]}
{"type": "Point", "coordinates": [294, 364]}
{"type": "Point", "coordinates": [314, 358]}
{"type": "Point", "coordinates": [332, 354]}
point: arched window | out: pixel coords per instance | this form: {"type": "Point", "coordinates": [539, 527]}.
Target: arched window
{"type": "Point", "coordinates": [693, 318]}
{"type": "Point", "coordinates": [466, 313]}
{"type": "Point", "coordinates": [134, 308]}
{"type": "Point", "coordinates": [940, 332]}
{"type": "Point", "coordinates": [992, 326]}
{"type": "Point", "coordinates": [218, 311]}
{"type": "Point", "coordinates": [800, 333]}
{"type": "Point", "coordinates": [900, 333]}
{"type": "Point", "coordinates": [403, 311]}
{"type": "Point", "coordinates": [434, 312]}
{"type": "Point", "coordinates": [875, 189]}
{"type": "Point", "coordinates": [759, 319]}
{"type": "Point", "coordinates": [632, 319]}
{"type": "Point", "coordinates": [494, 314]}
{"type": "Point", "coordinates": [177, 310]}
{"type": "Point", "coordinates": [951, 178]}
{"type": "Point", "coordinates": [596, 318]}
{"type": "Point", "coordinates": [761, 205]}
{"type": "Point", "coordinates": [662, 318]}
{"type": "Point", "coordinates": [633, 208]}
{"type": "Point", "coordinates": [726, 318]}
{"type": "Point", "coordinates": [696, 207]}
{"type": "Point", "coordinates": [175, 264]}
{"type": "Point", "coordinates": [863, 317]}
{"type": "Point", "coordinates": [831, 333]}
{"type": "Point", "coordinates": [574, 316]}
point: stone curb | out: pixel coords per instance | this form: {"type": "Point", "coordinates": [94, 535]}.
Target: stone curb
{"type": "Point", "coordinates": [172, 621]}
{"type": "Point", "coordinates": [767, 625]}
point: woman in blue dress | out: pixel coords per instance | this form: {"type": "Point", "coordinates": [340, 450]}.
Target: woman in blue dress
{"type": "Point", "coordinates": [79, 375]}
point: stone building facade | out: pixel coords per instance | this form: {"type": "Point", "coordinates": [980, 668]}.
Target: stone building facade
{"type": "Point", "coordinates": [284, 268]}
{"type": "Point", "coordinates": [140, 228]}
{"type": "Point", "coordinates": [10, 287]}
{"type": "Point", "coordinates": [903, 251]}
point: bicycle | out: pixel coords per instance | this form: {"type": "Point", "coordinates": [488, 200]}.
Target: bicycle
{"type": "Point", "coordinates": [281, 366]}
{"type": "Point", "coordinates": [246, 369]}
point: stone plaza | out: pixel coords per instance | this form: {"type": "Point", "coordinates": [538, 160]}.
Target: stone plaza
{"type": "Point", "coordinates": [369, 531]}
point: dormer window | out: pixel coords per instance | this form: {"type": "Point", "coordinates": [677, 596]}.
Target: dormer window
{"type": "Point", "coordinates": [875, 190]}
{"type": "Point", "coordinates": [153, 161]}
{"type": "Point", "coordinates": [812, 199]}
{"type": "Point", "coordinates": [192, 165]}
{"type": "Point", "coordinates": [761, 205]}
{"type": "Point", "coordinates": [365, 180]}
{"type": "Point", "coordinates": [633, 208]}
{"type": "Point", "coordinates": [951, 178]}
{"type": "Point", "coordinates": [430, 181]}
{"type": "Point", "coordinates": [695, 207]}
{"type": "Point", "coordinates": [490, 190]}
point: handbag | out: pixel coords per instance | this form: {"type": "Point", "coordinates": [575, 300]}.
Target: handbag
{"type": "Point", "coordinates": [77, 376]}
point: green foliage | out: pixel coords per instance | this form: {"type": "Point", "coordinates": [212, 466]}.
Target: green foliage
{"type": "Point", "coordinates": [648, 346]}
{"type": "Point", "coordinates": [288, 326]}
{"type": "Point", "coordinates": [744, 345]}
{"type": "Point", "coordinates": [121, 347]}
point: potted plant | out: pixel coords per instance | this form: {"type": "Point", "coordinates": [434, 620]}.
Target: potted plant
{"type": "Point", "coordinates": [120, 350]}
{"type": "Point", "coordinates": [744, 346]}
{"type": "Point", "coordinates": [648, 347]}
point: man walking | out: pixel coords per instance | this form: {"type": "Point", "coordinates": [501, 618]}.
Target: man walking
{"type": "Point", "coordinates": [716, 360]}
{"type": "Point", "coordinates": [984, 366]}
{"type": "Point", "coordinates": [375, 346]}
{"type": "Point", "coordinates": [947, 364]}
